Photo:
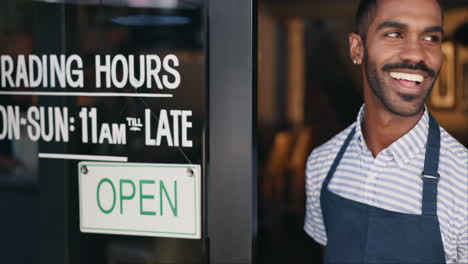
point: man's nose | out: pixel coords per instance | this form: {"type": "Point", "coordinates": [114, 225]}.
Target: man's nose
{"type": "Point", "coordinates": [412, 51]}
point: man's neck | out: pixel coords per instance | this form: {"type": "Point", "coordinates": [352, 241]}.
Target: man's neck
{"type": "Point", "coordinates": [381, 128]}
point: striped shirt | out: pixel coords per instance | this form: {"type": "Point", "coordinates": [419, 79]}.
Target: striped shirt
{"type": "Point", "coordinates": [392, 181]}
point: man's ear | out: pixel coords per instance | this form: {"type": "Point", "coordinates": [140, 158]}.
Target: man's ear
{"type": "Point", "coordinates": [356, 48]}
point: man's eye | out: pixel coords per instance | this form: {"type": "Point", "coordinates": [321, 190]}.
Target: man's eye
{"type": "Point", "coordinates": [393, 35]}
{"type": "Point", "coordinates": [432, 38]}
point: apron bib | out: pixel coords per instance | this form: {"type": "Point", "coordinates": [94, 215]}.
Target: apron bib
{"type": "Point", "coordinates": [360, 233]}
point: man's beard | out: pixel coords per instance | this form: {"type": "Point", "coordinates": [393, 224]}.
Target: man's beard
{"type": "Point", "coordinates": [377, 84]}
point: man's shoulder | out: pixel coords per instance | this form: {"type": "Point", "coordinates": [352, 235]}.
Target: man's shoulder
{"type": "Point", "coordinates": [452, 148]}
{"type": "Point", "coordinates": [329, 148]}
{"type": "Point", "coordinates": [453, 165]}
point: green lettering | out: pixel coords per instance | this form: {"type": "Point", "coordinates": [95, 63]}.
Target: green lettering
{"type": "Point", "coordinates": [98, 197]}
{"type": "Point", "coordinates": [122, 196]}
{"type": "Point", "coordinates": [162, 189]}
{"type": "Point", "coordinates": [142, 196]}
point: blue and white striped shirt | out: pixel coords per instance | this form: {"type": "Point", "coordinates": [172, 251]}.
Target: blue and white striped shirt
{"type": "Point", "coordinates": [392, 181]}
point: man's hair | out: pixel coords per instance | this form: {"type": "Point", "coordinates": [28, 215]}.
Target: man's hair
{"type": "Point", "coordinates": [366, 13]}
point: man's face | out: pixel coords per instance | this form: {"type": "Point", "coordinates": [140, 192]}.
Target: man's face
{"type": "Point", "coordinates": [403, 54]}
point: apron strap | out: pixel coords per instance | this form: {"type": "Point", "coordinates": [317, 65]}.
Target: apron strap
{"type": "Point", "coordinates": [331, 171]}
{"type": "Point", "coordinates": [338, 157]}
{"type": "Point", "coordinates": [429, 175]}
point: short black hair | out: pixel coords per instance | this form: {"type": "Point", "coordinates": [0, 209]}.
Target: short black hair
{"type": "Point", "coordinates": [365, 14]}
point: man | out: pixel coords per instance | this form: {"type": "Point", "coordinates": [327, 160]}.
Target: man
{"type": "Point", "coordinates": [392, 187]}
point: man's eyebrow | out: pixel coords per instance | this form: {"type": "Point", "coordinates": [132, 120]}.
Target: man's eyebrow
{"type": "Point", "coordinates": [391, 24]}
{"type": "Point", "coordinates": [394, 24]}
{"type": "Point", "coordinates": [434, 29]}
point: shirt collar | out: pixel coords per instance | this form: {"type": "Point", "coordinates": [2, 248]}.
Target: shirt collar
{"type": "Point", "coordinates": [407, 146]}
{"type": "Point", "coordinates": [358, 136]}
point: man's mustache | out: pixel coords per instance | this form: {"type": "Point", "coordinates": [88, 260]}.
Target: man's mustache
{"type": "Point", "coordinates": [408, 65]}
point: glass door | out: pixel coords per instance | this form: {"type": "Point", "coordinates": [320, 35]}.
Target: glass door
{"type": "Point", "coordinates": [127, 131]}
{"type": "Point", "coordinates": [92, 89]}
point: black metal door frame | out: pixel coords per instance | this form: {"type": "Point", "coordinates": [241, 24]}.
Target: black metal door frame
{"type": "Point", "coordinates": [232, 168]}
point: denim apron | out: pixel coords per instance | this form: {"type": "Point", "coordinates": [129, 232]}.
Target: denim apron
{"type": "Point", "coordinates": [360, 233]}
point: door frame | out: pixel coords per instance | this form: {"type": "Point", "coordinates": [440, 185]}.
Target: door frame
{"type": "Point", "coordinates": [232, 162]}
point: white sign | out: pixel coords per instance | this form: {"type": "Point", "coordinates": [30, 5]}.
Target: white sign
{"type": "Point", "coordinates": [160, 200]}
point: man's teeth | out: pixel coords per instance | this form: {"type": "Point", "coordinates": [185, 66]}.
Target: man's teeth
{"type": "Point", "coordinates": [407, 76]}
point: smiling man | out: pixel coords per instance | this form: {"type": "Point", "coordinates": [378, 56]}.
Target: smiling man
{"type": "Point", "coordinates": [392, 187]}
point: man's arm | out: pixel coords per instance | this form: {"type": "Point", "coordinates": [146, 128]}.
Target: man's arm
{"type": "Point", "coordinates": [313, 223]}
